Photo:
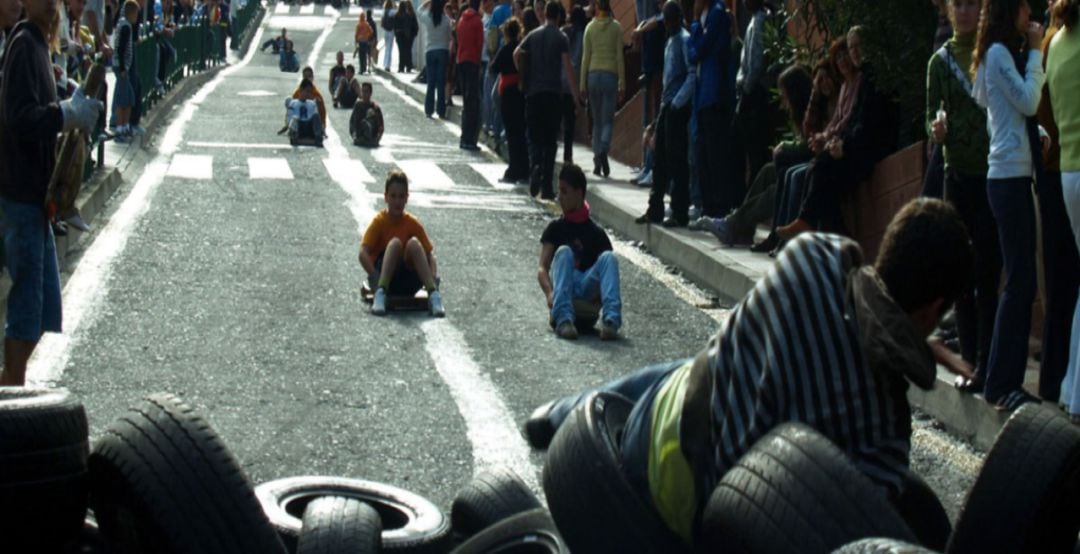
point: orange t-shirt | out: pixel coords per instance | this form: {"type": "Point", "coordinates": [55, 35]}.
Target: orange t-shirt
{"type": "Point", "coordinates": [383, 228]}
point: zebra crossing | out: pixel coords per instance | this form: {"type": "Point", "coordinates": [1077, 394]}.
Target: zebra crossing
{"type": "Point", "coordinates": [457, 184]}
{"type": "Point", "coordinates": [312, 8]}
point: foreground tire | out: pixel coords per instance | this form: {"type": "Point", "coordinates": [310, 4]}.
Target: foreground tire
{"type": "Point", "coordinates": [593, 505]}
{"type": "Point", "coordinates": [339, 525]}
{"type": "Point", "coordinates": [410, 522]}
{"type": "Point", "coordinates": [43, 475]}
{"type": "Point", "coordinates": [491, 497]}
{"type": "Point", "coordinates": [794, 491]}
{"type": "Point", "coordinates": [162, 481]}
{"type": "Point", "coordinates": [531, 532]}
{"type": "Point", "coordinates": [1027, 495]}
{"type": "Point", "coordinates": [882, 546]}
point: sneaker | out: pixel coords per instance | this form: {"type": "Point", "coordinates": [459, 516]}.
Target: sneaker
{"type": "Point", "coordinates": [434, 303]}
{"type": "Point", "coordinates": [722, 231]}
{"type": "Point", "coordinates": [695, 212]}
{"type": "Point", "coordinates": [609, 331]}
{"type": "Point", "coordinates": [123, 138]}
{"type": "Point", "coordinates": [765, 246]}
{"type": "Point", "coordinates": [79, 223]}
{"type": "Point", "coordinates": [703, 223]}
{"type": "Point", "coordinates": [566, 330]}
{"type": "Point", "coordinates": [645, 180]}
{"type": "Point", "coordinates": [378, 304]}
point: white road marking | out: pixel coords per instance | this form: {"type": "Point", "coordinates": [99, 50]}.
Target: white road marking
{"type": "Point", "coordinates": [256, 93]}
{"type": "Point", "coordinates": [281, 9]}
{"type": "Point", "coordinates": [492, 173]}
{"type": "Point", "coordinates": [269, 168]}
{"type": "Point", "coordinates": [383, 155]}
{"type": "Point", "coordinates": [347, 170]}
{"type": "Point", "coordinates": [425, 175]}
{"type": "Point", "coordinates": [489, 424]}
{"type": "Point", "coordinates": [88, 285]}
{"type": "Point", "coordinates": [307, 10]}
{"type": "Point", "coordinates": [190, 166]}
{"type": "Point", "coordinates": [299, 22]}
{"type": "Point", "coordinates": [250, 145]}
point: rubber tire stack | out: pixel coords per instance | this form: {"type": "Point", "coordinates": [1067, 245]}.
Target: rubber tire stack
{"type": "Point", "coordinates": [593, 505]}
{"type": "Point", "coordinates": [489, 498]}
{"type": "Point", "coordinates": [43, 472]}
{"type": "Point", "coordinates": [1027, 495]}
{"type": "Point", "coordinates": [531, 532]}
{"type": "Point", "coordinates": [881, 546]}
{"type": "Point", "coordinates": [340, 525]}
{"type": "Point", "coordinates": [794, 491]}
{"type": "Point", "coordinates": [162, 481]}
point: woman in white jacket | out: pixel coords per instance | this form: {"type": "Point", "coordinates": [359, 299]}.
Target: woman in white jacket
{"type": "Point", "coordinates": [1009, 77]}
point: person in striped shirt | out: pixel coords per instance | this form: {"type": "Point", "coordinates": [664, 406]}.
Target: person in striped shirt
{"type": "Point", "coordinates": [822, 339]}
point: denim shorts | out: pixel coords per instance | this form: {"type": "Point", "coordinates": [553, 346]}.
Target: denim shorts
{"type": "Point", "coordinates": [33, 305]}
{"type": "Point", "coordinates": [124, 96]}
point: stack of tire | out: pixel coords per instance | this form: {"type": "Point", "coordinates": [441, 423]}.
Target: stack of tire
{"type": "Point", "coordinates": [795, 491]}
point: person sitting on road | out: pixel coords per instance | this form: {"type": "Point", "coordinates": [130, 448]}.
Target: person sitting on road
{"type": "Point", "coordinates": [289, 62]}
{"type": "Point", "coordinates": [822, 339]}
{"type": "Point", "coordinates": [309, 75]}
{"type": "Point", "coordinates": [366, 122]}
{"type": "Point", "coordinates": [396, 251]}
{"type": "Point", "coordinates": [336, 72]}
{"type": "Point", "coordinates": [577, 262]}
{"type": "Point", "coordinates": [276, 43]}
{"type": "Point", "coordinates": [300, 114]}
{"type": "Point", "coordinates": [347, 90]}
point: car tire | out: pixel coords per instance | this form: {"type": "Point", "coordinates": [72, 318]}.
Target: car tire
{"type": "Point", "coordinates": [491, 497]}
{"type": "Point", "coordinates": [531, 532]}
{"type": "Point", "coordinates": [882, 546]}
{"type": "Point", "coordinates": [340, 525]}
{"type": "Point", "coordinates": [592, 503]}
{"type": "Point", "coordinates": [410, 522]}
{"type": "Point", "coordinates": [794, 491]}
{"type": "Point", "coordinates": [1026, 497]}
{"type": "Point", "coordinates": [43, 474]}
{"type": "Point", "coordinates": [163, 481]}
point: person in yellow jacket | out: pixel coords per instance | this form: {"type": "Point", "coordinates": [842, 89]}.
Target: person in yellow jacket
{"type": "Point", "coordinates": [602, 79]}
{"type": "Point", "coordinates": [364, 33]}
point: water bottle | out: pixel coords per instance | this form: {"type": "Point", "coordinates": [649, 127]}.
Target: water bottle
{"type": "Point", "coordinates": [942, 116]}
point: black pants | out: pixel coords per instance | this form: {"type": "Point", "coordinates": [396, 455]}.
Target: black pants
{"type": "Point", "coordinates": [976, 308]}
{"type": "Point", "coordinates": [830, 179]}
{"type": "Point", "coordinates": [569, 119]}
{"type": "Point", "coordinates": [934, 179]}
{"type": "Point", "coordinates": [363, 51]}
{"type": "Point", "coordinates": [469, 73]}
{"type": "Point", "coordinates": [513, 116]}
{"type": "Point", "coordinates": [543, 130]}
{"type": "Point", "coordinates": [136, 85]}
{"type": "Point", "coordinates": [671, 163]}
{"type": "Point", "coordinates": [404, 46]}
{"type": "Point", "coordinates": [719, 193]}
{"type": "Point", "coordinates": [1062, 270]}
{"type": "Point", "coordinates": [750, 144]}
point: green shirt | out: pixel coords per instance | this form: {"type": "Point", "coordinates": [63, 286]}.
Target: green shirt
{"type": "Point", "coordinates": [1063, 79]}
{"type": "Point", "coordinates": [967, 142]}
{"type": "Point", "coordinates": [671, 481]}
{"type": "Point", "coordinates": [602, 50]}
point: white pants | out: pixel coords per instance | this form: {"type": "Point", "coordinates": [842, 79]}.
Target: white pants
{"type": "Point", "coordinates": [1070, 386]}
{"type": "Point", "coordinates": [388, 48]}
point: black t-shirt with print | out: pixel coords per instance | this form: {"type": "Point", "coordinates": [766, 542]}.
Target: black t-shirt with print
{"type": "Point", "coordinates": [587, 240]}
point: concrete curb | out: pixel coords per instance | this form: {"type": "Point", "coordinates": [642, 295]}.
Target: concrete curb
{"type": "Point", "coordinates": [732, 273]}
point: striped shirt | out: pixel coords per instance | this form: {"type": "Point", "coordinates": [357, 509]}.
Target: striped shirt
{"type": "Point", "coordinates": [818, 341]}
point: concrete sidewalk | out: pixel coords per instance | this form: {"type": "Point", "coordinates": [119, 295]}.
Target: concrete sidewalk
{"type": "Point", "coordinates": [729, 272]}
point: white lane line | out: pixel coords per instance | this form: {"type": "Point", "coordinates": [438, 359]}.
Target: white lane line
{"type": "Point", "coordinates": [299, 22]}
{"type": "Point", "coordinates": [252, 145]}
{"type": "Point", "coordinates": [256, 93]}
{"type": "Point", "coordinates": [281, 9]}
{"type": "Point", "coordinates": [269, 168]}
{"type": "Point", "coordinates": [307, 10]}
{"type": "Point", "coordinates": [190, 166]}
{"type": "Point", "coordinates": [87, 286]}
{"type": "Point", "coordinates": [489, 424]}
{"type": "Point", "coordinates": [425, 175]}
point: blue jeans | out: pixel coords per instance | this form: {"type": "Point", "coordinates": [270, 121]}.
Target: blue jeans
{"type": "Point", "coordinates": [790, 195]}
{"type": "Point", "coordinates": [33, 304]}
{"type": "Point", "coordinates": [1070, 387]}
{"type": "Point", "coordinates": [436, 63]}
{"type": "Point", "coordinates": [1014, 210]}
{"type": "Point", "coordinates": [603, 90]}
{"type": "Point", "coordinates": [602, 279]}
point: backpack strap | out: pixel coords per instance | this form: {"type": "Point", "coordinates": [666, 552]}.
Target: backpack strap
{"type": "Point", "coordinates": [954, 67]}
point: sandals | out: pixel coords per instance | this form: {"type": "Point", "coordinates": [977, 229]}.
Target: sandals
{"type": "Point", "coordinates": [1014, 400]}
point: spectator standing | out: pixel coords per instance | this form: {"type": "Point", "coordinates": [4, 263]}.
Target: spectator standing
{"type": "Point", "coordinates": [30, 121]}
{"type": "Point", "coordinates": [512, 103]}
{"type": "Point", "coordinates": [934, 179]}
{"type": "Point", "coordinates": [670, 161]}
{"type": "Point", "coordinates": [336, 72]}
{"type": "Point", "coordinates": [470, 37]}
{"type": "Point", "coordinates": [363, 37]}
{"type": "Point", "coordinates": [1063, 77]}
{"type": "Point", "coordinates": [500, 13]}
{"type": "Point", "coordinates": [387, 24]}
{"type": "Point", "coordinates": [575, 35]}
{"type": "Point", "coordinates": [961, 132]}
{"type": "Point", "coordinates": [124, 46]}
{"type": "Point", "coordinates": [437, 26]}
{"type": "Point", "coordinates": [541, 57]}
{"type": "Point", "coordinates": [603, 80]}
{"type": "Point", "coordinates": [405, 29]}
{"type": "Point", "coordinates": [93, 16]}
{"type": "Point", "coordinates": [10, 10]}
{"type": "Point", "coordinates": [373, 51]}
{"type": "Point", "coordinates": [714, 100]}
{"type": "Point", "coordinates": [750, 147]}
{"type": "Point", "coordinates": [1011, 99]}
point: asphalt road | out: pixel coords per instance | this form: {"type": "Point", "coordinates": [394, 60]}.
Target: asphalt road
{"type": "Point", "coordinates": [226, 273]}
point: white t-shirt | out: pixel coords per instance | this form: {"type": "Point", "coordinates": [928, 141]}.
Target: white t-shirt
{"type": "Point", "coordinates": [438, 36]}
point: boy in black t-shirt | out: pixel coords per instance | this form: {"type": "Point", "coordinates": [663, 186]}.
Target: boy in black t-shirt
{"type": "Point", "coordinates": [576, 261]}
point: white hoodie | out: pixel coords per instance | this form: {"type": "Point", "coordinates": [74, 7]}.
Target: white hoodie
{"type": "Point", "coordinates": [1009, 100]}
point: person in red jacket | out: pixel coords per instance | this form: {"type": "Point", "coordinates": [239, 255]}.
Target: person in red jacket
{"type": "Point", "coordinates": [470, 37]}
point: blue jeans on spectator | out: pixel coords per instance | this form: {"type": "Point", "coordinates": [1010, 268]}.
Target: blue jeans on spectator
{"type": "Point", "coordinates": [790, 195]}
{"type": "Point", "coordinates": [1014, 211]}
{"type": "Point", "coordinates": [33, 303]}
{"type": "Point", "coordinates": [436, 64]}
{"type": "Point", "coordinates": [695, 183]}
{"type": "Point", "coordinates": [603, 90]}
{"type": "Point", "coordinates": [602, 279]}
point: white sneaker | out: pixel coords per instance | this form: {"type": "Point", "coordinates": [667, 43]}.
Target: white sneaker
{"type": "Point", "coordinates": [703, 223]}
{"type": "Point", "coordinates": [434, 303]}
{"type": "Point", "coordinates": [378, 304]}
{"type": "Point", "coordinates": [694, 213]}
{"type": "Point", "coordinates": [79, 223]}
{"type": "Point", "coordinates": [645, 180]}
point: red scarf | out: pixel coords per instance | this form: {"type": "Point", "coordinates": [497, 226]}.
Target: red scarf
{"type": "Point", "coordinates": [580, 215]}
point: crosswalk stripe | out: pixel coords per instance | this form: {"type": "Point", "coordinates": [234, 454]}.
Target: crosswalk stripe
{"type": "Point", "coordinates": [191, 166]}
{"type": "Point", "coordinates": [269, 168]}
{"type": "Point", "coordinates": [281, 8]}
{"type": "Point", "coordinates": [342, 170]}
{"type": "Point", "coordinates": [425, 175]}
{"type": "Point", "coordinates": [307, 10]}
{"type": "Point", "coordinates": [492, 173]}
